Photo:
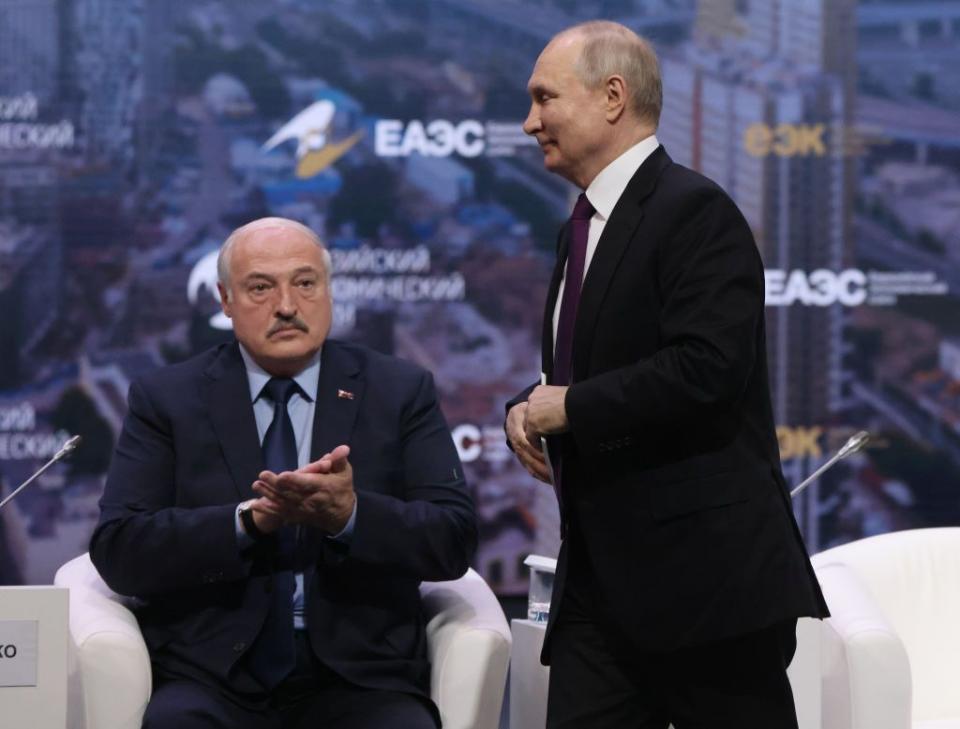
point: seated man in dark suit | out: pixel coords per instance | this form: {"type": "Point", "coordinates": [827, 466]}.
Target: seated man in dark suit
{"type": "Point", "coordinates": [275, 503]}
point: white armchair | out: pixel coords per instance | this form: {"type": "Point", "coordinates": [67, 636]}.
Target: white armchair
{"type": "Point", "coordinates": [468, 643]}
{"type": "Point", "coordinates": [891, 651]}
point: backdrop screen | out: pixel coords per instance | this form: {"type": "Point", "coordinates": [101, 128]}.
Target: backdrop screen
{"type": "Point", "coordinates": [136, 134]}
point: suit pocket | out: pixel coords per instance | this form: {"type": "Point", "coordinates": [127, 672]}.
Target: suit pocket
{"type": "Point", "coordinates": [671, 500]}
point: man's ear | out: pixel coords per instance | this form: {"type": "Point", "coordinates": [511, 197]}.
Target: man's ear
{"type": "Point", "coordinates": [225, 304]}
{"type": "Point", "coordinates": [616, 90]}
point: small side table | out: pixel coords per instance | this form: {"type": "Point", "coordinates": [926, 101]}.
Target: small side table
{"type": "Point", "coordinates": [528, 679]}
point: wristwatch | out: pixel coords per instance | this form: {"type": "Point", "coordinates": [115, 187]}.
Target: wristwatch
{"type": "Point", "coordinates": [245, 510]}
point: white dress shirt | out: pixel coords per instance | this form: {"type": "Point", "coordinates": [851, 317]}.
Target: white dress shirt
{"type": "Point", "coordinates": [603, 193]}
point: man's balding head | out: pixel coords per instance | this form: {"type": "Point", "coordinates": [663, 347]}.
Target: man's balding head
{"type": "Point", "coordinates": [610, 49]}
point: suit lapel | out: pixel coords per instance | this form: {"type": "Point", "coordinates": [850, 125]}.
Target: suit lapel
{"type": "Point", "coordinates": [227, 394]}
{"type": "Point", "coordinates": [339, 392]}
{"type": "Point", "coordinates": [617, 234]}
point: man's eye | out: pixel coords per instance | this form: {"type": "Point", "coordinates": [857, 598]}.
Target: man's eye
{"type": "Point", "coordinates": [307, 284]}
{"type": "Point", "coordinates": [259, 288]}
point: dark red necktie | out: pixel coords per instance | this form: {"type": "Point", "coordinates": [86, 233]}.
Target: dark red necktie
{"type": "Point", "coordinates": [576, 258]}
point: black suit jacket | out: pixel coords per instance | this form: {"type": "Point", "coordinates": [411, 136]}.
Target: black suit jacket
{"type": "Point", "coordinates": [671, 469]}
{"type": "Point", "coordinates": [189, 453]}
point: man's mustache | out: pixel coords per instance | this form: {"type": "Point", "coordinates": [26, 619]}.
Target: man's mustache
{"type": "Point", "coordinates": [293, 322]}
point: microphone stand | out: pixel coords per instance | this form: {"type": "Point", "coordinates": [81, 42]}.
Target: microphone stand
{"type": "Point", "coordinates": [69, 447]}
{"type": "Point", "coordinates": [856, 443]}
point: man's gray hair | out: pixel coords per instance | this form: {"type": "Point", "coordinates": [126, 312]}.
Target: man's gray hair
{"type": "Point", "coordinates": [613, 49]}
{"type": "Point", "coordinates": [223, 257]}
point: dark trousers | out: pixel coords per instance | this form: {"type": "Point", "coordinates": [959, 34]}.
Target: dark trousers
{"type": "Point", "coordinates": [312, 697]}
{"type": "Point", "coordinates": [597, 682]}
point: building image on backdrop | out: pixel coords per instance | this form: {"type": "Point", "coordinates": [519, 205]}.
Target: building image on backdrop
{"type": "Point", "coordinates": [135, 135]}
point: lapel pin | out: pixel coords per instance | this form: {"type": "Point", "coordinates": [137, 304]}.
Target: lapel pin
{"type": "Point", "coordinates": [344, 395]}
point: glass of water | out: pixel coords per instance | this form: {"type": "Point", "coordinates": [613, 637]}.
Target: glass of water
{"type": "Point", "coordinates": [542, 570]}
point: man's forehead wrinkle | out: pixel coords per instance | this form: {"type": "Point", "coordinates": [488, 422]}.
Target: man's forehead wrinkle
{"type": "Point", "coordinates": [296, 271]}
{"type": "Point", "coordinates": [258, 274]}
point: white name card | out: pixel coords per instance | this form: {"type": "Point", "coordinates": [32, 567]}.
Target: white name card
{"type": "Point", "coordinates": [18, 652]}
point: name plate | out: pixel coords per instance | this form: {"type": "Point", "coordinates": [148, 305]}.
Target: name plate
{"type": "Point", "coordinates": [18, 652]}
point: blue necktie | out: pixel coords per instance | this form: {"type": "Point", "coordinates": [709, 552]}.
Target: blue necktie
{"type": "Point", "coordinates": [273, 655]}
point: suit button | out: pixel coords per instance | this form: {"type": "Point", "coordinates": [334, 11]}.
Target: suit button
{"type": "Point", "coordinates": [238, 647]}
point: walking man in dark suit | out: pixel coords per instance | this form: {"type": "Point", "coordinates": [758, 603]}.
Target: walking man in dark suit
{"type": "Point", "coordinates": [682, 571]}
{"type": "Point", "coordinates": [275, 503]}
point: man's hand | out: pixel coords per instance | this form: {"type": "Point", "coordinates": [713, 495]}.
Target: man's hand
{"type": "Point", "coordinates": [266, 522]}
{"type": "Point", "coordinates": [319, 495]}
{"type": "Point", "coordinates": [546, 411]}
{"type": "Point", "coordinates": [528, 451]}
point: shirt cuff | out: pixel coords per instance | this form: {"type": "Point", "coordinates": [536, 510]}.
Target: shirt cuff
{"type": "Point", "coordinates": [345, 535]}
{"type": "Point", "coordinates": [244, 540]}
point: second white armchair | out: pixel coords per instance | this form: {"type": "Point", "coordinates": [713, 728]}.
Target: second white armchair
{"type": "Point", "coordinates": [891, 650]}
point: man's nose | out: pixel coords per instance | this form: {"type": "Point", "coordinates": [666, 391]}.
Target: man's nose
{"type": "Point", "coordinates": [531, 125]}
{"type": "Point", "coordinates": [287, 303]}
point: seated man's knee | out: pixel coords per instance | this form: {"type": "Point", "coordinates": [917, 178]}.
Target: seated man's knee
{"type": "Point", "coordinates": [189, 705]}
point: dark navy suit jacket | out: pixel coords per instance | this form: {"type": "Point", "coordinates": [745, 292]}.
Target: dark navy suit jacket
{"type": "Point", "coordinates": [189, 453]}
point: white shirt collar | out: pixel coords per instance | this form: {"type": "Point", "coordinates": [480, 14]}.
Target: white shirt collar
{"type": "Point", "coordinates": [608, 186]}
{"type": "Point", "coordinates": [257, 377]}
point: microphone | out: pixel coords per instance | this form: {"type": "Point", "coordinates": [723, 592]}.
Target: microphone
{"type": "Point", "coordinates": [856, 443]}
{"type": "Point", "coordinates": [69, 447]}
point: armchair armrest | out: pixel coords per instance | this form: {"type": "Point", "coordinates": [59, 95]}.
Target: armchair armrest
{"type": "Point", "coordinates": [110, 677]}
{"type": "Point", "coordinates": [468, 644]}
{"type": "Point", "coordinates": [866, 672]}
